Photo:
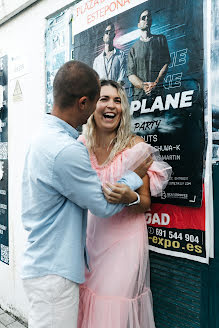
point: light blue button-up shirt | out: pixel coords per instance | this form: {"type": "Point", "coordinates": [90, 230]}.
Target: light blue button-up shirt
{"type": "Point", "coordinates": [59, 186]}
{"type": "Point", "coordinates": [113, 68]}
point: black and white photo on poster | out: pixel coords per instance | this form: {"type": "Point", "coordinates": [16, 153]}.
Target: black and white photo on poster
{"type": "Point", "coordinates": [155, 52]}
{"type": "Point", "coordinates": [57, 50]}
{"type": "Point", "coordinates": [4, 245]}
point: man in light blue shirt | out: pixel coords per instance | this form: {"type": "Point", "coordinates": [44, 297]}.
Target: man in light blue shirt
{"type": "Point", "coordinates": [59, 186]}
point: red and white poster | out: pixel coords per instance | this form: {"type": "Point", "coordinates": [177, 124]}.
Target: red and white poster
{"type": "Point", "coordinates": [178, 230]}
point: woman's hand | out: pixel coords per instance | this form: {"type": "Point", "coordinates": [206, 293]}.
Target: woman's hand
{"type": "Point", "coordinates": [118, 193]}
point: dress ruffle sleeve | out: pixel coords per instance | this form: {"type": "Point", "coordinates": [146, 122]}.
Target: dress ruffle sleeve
{"type": "Point", "coordinates": [159, 171]}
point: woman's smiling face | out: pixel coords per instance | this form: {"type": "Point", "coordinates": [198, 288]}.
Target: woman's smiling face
{"type": "Point", "coordinates": [108, 110]}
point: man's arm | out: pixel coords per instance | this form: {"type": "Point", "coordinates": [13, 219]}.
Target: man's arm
{"type": "Point", "coordinates": [122, 74]}
{"type": "Point", "coordinates": [133, 78]}
{"type": "Point", "coordinates": [131, 70]}
{"type": "Point", "coordinates": [164, 53]}
{"type": "Point", "coordinates": [121, 193]}
{"type": "Point", "coordinates": [74, 178]}
{"type": "Point", "coordinates": [138, 83]}
{"type": "Point", "coordinates": [148, 86]}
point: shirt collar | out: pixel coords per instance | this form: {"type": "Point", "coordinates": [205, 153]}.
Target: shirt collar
{"type": "Point", "coordinates": [114, 52]}
{"type": "Point", "coordinates": [55, 121]}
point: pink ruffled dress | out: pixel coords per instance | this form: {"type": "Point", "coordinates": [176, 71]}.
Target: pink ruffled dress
{"type": "Point", "coordinates": [116, 293]}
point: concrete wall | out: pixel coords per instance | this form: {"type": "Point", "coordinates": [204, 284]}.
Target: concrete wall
{"type": "Point", "coordinates": [23, 40]}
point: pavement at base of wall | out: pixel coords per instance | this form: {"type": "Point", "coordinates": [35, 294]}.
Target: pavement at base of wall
{"type": "Point", "coordinates": [10, 321]}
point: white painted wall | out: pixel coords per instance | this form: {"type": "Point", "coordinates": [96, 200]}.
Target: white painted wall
{"type": "Point", "coordinates": [8, 6]}
{"type": "Point", "coordinates": [23, 40]}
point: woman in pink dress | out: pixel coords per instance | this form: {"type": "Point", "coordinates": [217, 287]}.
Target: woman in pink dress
{"type": "Point", "coordinates": [116, 293]}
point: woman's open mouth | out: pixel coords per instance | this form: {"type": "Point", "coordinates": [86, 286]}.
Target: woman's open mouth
{"type": "Point", "coordinates": [109, 115]}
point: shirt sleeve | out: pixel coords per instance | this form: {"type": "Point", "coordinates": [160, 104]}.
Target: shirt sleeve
{"type": "Point", "coordinates": [132, 180]}
{"type": "Point", "coordinates": [122, 73]}
{"type": "Point", "coordinates": [131, 67]}
{"type": "Point", "coordinates": [74, 178]}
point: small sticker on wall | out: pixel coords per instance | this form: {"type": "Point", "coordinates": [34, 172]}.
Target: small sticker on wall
{"type": "Point", "coordinates": [17, 95]}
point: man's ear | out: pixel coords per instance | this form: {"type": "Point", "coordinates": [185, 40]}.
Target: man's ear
{"type": "Point", "coordinates": [82, 102]}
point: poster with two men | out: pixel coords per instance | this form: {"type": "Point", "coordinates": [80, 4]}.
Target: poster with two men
{"type": "Point", "coordinates": [152, 49]}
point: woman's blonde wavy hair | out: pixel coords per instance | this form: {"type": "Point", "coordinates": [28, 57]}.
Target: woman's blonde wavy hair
{"type": "Point", "coordinates": [123, 136]}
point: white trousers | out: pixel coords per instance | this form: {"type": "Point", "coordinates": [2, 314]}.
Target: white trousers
{"type": "Point", "coordinates": [53, 302]}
